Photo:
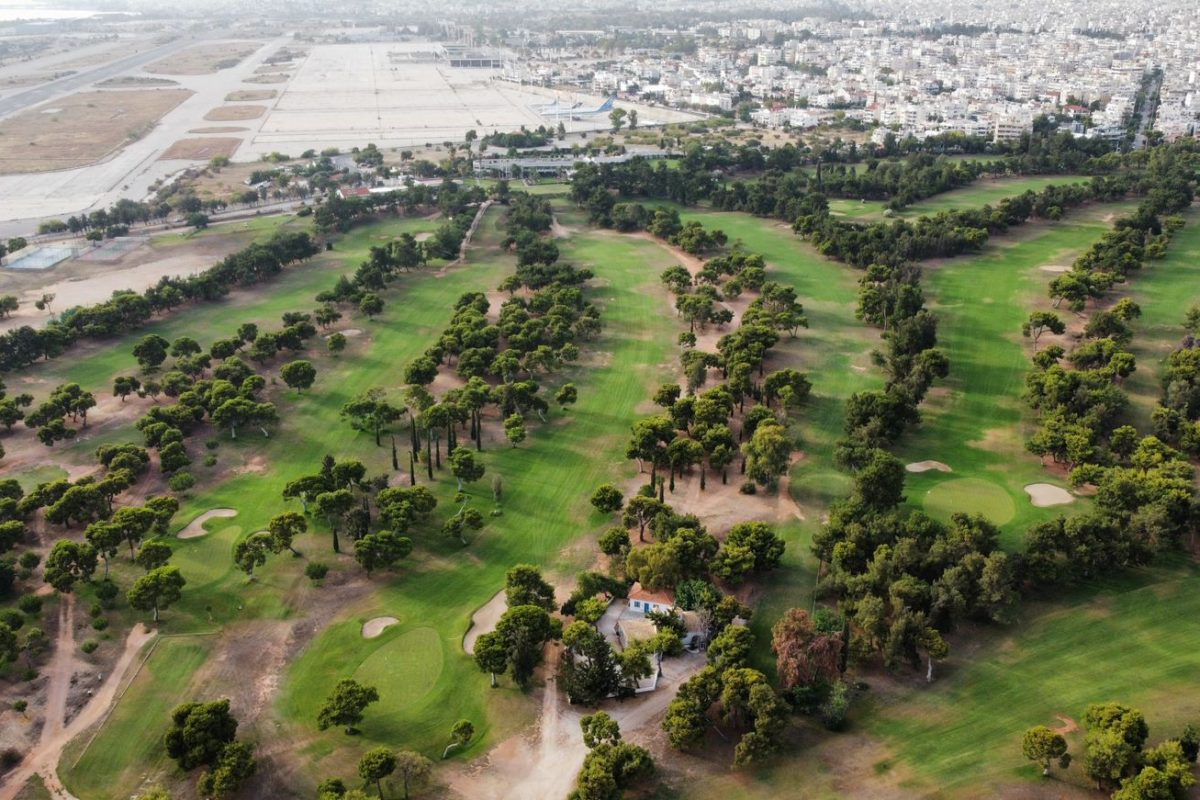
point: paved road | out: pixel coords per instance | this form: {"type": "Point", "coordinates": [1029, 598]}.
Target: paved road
{"type": "Point", "coordinates": [1149, 111]}
{"type": "Point", "coordinates": [40, 94]}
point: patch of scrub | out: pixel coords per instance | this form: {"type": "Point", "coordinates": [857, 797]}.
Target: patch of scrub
{"type": "Point", "coordinates": [195, 528]}
{"type": "Point", "coordinates": [373, 627]}
{"type": "Point", "coordinates": [1043, 495]}
{"type": "Point", "coordinates": [408, 666]}
{"type": "Point", "coordinates": [971, 496]}
{"type": "Point", "coordinates": [926, 466]}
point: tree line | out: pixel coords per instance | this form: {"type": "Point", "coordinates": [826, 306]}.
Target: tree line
{"type": "Point", "coordinates": [128, 310]}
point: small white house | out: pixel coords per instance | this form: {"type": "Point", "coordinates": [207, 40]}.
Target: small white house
{"type": "Point", "coordinates": [643, 601]}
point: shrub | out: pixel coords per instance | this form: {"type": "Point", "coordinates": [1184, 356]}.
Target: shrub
{"type": "Point", "coordinates": [31, 604]}
{"type": "Point", "coordinates": [106, 592]}
{"type": "Point", "coordinates": [100, 623]}
{"type": "Point", "coordinates": [316, 571]}
{"type": "Point", "coordinates": [748, 488]}
{"type": "Point", "coordinates": [89, 646]}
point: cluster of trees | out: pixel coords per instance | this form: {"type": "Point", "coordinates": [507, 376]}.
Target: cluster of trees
{"type": "Point", "coordinates": [140, 527]}
{"type": "Point", "coordinates": [783, 181]}
{"type": "Point", "coordinates": [49, 417]}
{"type": "Point", "coordinates": [373, 515]}
{"type": "Point", "coordinates": [121, 214]}
{"type": "Point", "coordinates": [729, 690]}
{"type": "Point", "coordinates": [343, 213]}
{"type": "Point", "coordinates": [947, 233]}
{"type": "Point", "coordinates": [904, 578]}
{"type": "Point", "coordinates": [890, 298]}
{"type": "Point", "coordinates": [516, 646]}
{"type": "Point", "coordinates": [15, 535]}
{"type": "Point", "coordinates": [1144, 486]}
{"type": "Point", "coordinates": [205, 735]}
{"type": "Point", "coordinates": [1177, 416]}
{"type": "Point", "coordinates": [683, 549]}
{"type": "Point", "coordinates": [129, 310]}
{"type": "Point", "coordinates": [385, 263]}
{"type": "Point", "coordinates": [1116, 757]}
{"type": "Point", "coordinates": [537, 332]}
{"type": "Point", "coordinates": [611, 766]}
{"type": "Point", "coordinates": [520, 139]}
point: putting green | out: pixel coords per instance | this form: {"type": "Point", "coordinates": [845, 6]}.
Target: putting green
{"type": "Point", "coordinates": [970, 495]}
{"type": "Point", "coordinates": [406, 668]}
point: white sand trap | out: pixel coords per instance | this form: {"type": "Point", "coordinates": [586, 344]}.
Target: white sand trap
{"type": "Point", "coordinates": [349, 333]}
{"type": "Point", "coordinates": [484, 620]}
{"type": "Point", "coordinates": [196, 527]}
{"type": "Point", "coordinates": [926, 466]}
{"type": "Point", "coordinates": [1055, 268]}
{"type": "Point", "coordinates": [1047, 494]}
{"type": "Point", "coordinates": [374, 627]}
{"type": "Point", "coordinates": [423, 236]}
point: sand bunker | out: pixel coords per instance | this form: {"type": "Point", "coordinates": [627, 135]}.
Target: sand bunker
{"type": "Point", "coordinates": [349, 333]}
{"type": "Point", "coordinates": [373, 627]}
{"type": "Point", "coordinates": [1055, 268]}
{"type": "Point", "coordinates": [926, 466]}
{"type": "Point", "coordinates": [196, 527]}
{"type": "Point", "coordinates": [1047, 494]}
{"type": "Point", "coordinates": [484, 620]}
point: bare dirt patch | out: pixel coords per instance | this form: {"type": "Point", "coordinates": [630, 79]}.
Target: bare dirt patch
{"type": "Point", "coordinates": [201, 149]}
{"type": "Point", "coordinates": [81, 128]}
{"type": "Point", "coordinates": [195, 528]}
{"type": "Point", "coordinates": [43, 759]}
{"type": "Point", "coordinates": [374, 627]}
{"type": "Point", "coordinates": [230, 113]}
{"type": "Point", "coordinates": [1043, 495]}
{"type": "Point", "coordinates": [280, 77]}
{"type": "Point", "coordinates": [1067, 725]}
{"type": "Point", "coordinates": [135, 82]}
{"type": "Point", "coordinates": [1056, 268]}
{"type": "Point", "coordinates": [250, 94]}
{"type": "Point", "coordinates": [926, 466]}
{"type": "Point", "coordinates": [219, 129]}
{"type": "Point", "coordinates": [203, 59]}
{"type": "Point", "coordinates": [484, 620]}
{"type": "Point", "coordinates": [349, 333]}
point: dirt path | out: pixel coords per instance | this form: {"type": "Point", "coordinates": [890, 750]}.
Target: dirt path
{"type": "Point", "coordinates": [43, 759]}
{"type": "Point", "coordinates": [60, 668]}
{"type": "Point", "coordinates": [545, 765]}
{"type": "Point", "coordinates": [466, 242]}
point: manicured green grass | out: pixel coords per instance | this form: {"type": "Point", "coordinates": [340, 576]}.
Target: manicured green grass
{"type": "Point", "coordinates": [985, 191]}
{"type": "Point", "coordinates": [425, 680]}
{"type": "Point", "coordinates": [96, 364]}
{"type": "Point", "coordinates": [1165, 290]}
{"type": "Point", "coordinates": [969, 494]}
{"type": "Point", "coordinates": [546, 483]}
{"type": "Point", "coordinates": [129, 745]}
{"type": "Point", "coordinates": [835, 353]}
{"type": "Point", "coordinates": [30, 478]}
{"type": "Point", "coordinates": [975, 421]}
{"type": "Point", "coordinates": [1132, 640]}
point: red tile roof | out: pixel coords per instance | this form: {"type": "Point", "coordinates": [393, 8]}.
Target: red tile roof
{"type": "Point", "coordinates": [661, 597]}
